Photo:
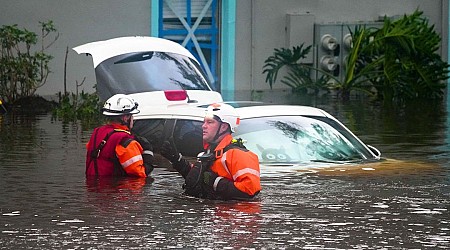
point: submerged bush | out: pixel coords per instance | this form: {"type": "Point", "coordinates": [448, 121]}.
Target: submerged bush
{"type": "Point", "coordinates": [84, 107]}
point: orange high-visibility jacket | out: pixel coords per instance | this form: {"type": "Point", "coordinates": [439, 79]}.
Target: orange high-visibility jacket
{"type": "Point", "coordinates": [239, 166]}
{"type": "Point", "coordinates": [120, 147]}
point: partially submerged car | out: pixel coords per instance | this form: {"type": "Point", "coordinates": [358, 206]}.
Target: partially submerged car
{"type": "Point", "coordinates": [285, 137]}
{"type": "Point", "coordinates": [173, 92]}
{"type": "Point", "coordinates": [144, 67]}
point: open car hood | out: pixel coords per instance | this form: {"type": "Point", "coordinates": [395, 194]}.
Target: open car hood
{"type": "Point", "coordinates": [145, 67]}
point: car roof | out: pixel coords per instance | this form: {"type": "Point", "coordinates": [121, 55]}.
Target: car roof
{"type": "Point", "coordinates": [103, 50]}
{"type": "Point", "coordinates": [246, 110]}
{"type": "Point", "coordinates": [157, 100]}
{"type": "Point", "coordinates": [188, 111]}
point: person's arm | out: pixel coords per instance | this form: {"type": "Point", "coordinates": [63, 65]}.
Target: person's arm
{"type": "Point", "coordinates": [178, 162]}
{"type": "Point", "coordinates": [182, 166]}
{"type": "Point", "coordinates": [224, 187]}
{"type": "Point", "coordinates": [129, 155]}
{"type": "Point", "coordinates": [147, 154]}
{"type": "Point", "coordinates": [244, 166]}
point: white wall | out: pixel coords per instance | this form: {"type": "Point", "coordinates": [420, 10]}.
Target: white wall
{"type": "Point", "coordinates": [260, 27]}
{"type": "Point", "coordinates": [266, 18]}
{"type": "Point", "coordinates": [78, 22]}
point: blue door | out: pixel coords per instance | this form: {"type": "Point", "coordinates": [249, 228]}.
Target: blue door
{"type": "Point", "coordinates": [193, 24]}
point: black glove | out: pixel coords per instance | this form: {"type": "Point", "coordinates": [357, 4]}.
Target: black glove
{"type": "Point", "coordinates": [193, 181]}
{"type": "Point", "coordinates": [170, 153]}
{"type": "Point", "coordinates": [148, 168]}
{"type": "Point", "coordinates": [209, 177]}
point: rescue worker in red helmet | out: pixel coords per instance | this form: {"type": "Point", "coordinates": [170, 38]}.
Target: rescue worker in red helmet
{"type": "Point", "coordinates": [112, 150]}
{"type": "Point", "coordinates": [226, 169]}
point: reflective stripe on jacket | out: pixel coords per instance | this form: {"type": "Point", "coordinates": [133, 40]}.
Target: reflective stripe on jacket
{"type": "Point", "coordinates": [239, 166]}
{"type": "Point", "coordinates": [130, 157]}
{"type": "Point", "coordinates": [120, 151]}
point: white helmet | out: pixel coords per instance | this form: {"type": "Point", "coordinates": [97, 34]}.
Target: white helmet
{"type": "Point", "coordinates": [223, 113]}
{"type": "Point", "coordinates": [120, 104]}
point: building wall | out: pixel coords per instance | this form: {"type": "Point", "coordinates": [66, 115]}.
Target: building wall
{"type": "Point", "coordinates": [78, 22]}
{"type": "Point", "coordinates": [260, 28]}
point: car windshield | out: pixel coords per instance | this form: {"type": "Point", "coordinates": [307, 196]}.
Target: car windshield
{"type": "Point", "coordinates": [298, 139]}
{"type": "Point", "coordinates": [148, 71]}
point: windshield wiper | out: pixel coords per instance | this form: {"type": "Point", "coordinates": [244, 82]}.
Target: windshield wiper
{"type": "Point", "coordinates": [339, 162]}
{"type": "Point", "coordinates": [328, 161]}
{"type": "Point", "coordinates": [346, 161]}
{"type": "Point", "coordinates": [275, 163]}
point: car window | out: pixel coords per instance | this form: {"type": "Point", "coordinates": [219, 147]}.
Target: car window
{"type": "Point", "coordinates": [187, 137]}
{"type": "Point", "coordinates": [148, 71]}
{"type": "Point", "coordinates": [152, 129]}
{"type": "Point", "coordinates": [298, 139]}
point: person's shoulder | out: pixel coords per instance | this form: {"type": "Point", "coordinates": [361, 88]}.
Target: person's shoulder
{"type": "Point", "coordinates": [121, 136]}
{"type": "Point", "coordinates": [103, 126]}
{"type": "Point", "coordinates": [239, 150]}
{"type": "Point", "coordinates": [129, 141]}
{"type": "Point", "coordinates": [238, 155]}
{"type": "Point", "coordinates": [238, 147]}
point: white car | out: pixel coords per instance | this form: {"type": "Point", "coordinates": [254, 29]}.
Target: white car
{"type": "Point", "coordinates": [173, 92]}
{"type": "Point", "coordinates": [144, 67]}
{"type": "Point", "coordinates": [285, 137]}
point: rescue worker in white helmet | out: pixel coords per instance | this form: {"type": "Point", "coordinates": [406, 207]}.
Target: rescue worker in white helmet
{"type": "Point", "coordinates": [112, 150]}
{"type": "Point", "coordinates": [226, 169]}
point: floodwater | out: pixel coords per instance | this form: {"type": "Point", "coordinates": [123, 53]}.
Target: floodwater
{"type": "Point", "coordinates": [46, 202]}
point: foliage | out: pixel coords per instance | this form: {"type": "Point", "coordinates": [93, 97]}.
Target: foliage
{"type": "Point", "coordinates": [396, 62]}
{"type": "Point", "coordinates": [84, 107]}
{"type": "Point", "coordinates": [405, 52]}
{"type": "Point", "coordinates": [22, 69]}
{"type": "Point", "coordinates": [298, 75]}
{"type": "Point", "coordinates": [356, 72]}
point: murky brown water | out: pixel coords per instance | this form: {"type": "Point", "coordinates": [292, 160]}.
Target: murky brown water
{"type": "Point", "coordinates": [46, 202]}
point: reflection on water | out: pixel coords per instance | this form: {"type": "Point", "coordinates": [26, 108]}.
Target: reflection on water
{"type": "Point", "coordinates": [403, 202]}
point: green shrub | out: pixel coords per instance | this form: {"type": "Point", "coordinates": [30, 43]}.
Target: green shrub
{"type": "Point", "coordinates": [407, 59]}
{"type": "Point", "coordinates": [397, 62]}
{"type": "Point", "coordinates": [84, 107]}
{"type": "Point", "coordinates": [23, 67]}
{"type": "Point", "coordinates": [298, 75]}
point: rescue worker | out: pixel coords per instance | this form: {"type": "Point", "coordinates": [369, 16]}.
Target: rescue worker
{"type": "Point", "coordinates": [226, 169]}
{"type": "Point", "coordinates": [112, 150]}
